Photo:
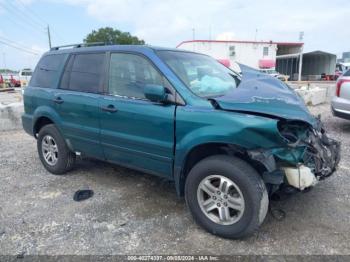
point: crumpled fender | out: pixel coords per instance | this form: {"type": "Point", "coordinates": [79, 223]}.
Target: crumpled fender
{"type": "Point", "coordinates": [198, 126]}
{"type": "Point", "coordinates": [194, 128]}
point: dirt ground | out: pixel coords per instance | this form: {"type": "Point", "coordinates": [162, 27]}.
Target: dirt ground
{"type": "Point", "coordinates": [134, 213]}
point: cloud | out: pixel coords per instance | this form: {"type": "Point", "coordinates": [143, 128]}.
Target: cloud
{"type": "Point", "coordinates": [161, 22]}
{"type": "Point", "coordinates": [170, 22]}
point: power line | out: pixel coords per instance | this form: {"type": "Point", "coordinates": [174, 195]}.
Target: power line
{"type": "Point", "coordinates": [19, 48]}
{"type": "Point", "coordinates": [31, 11]}
{"type": "Point", "coordinates": [23, 26]}
{"type": "Point", "coordinates": [18, 44]}
{"type": "Point", "coordinates": [33, 14]}
{"type": "Point", "coordinates": [20, 11]}
{"type": "Point", "coordinates": [23, 23]}
{"type": "Point", "coordinates": [19, 15]}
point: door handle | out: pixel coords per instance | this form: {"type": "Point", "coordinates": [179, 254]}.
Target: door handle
{"type": "Point", "coordinates": [58, 100]}
{"type": "Point", "coordinates": [109, 108]}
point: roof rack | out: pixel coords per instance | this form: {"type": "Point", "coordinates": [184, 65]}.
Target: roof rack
{"type": "Point", "coordinates": [78, 45]}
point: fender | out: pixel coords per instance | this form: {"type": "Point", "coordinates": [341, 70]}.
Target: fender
{"type": "Point", "coordinates": [46, 111]}
{"type": "Point", "coordinates": [195, 127]}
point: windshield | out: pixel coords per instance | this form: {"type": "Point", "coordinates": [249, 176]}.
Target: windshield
{"type": "Point", "coordinates": [202, 74]}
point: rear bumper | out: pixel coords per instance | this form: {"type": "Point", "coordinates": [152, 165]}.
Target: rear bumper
{"type": "Point", "coordinates": [341, 113]}
{"type": "Point", "coordinates": [27, 123]}
{"type": "Point", "coordinates": [340, 107]}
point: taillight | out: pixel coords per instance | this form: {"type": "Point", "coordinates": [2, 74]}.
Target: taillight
{"type": "Point", "coordinates": [339, 84]}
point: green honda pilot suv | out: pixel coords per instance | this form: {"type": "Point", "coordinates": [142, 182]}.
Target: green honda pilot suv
{"type": "Point", "coordinates": [228, 140]}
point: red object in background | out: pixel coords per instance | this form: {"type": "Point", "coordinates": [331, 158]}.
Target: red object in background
{"type": "Point", "coordinates": [225, 62]}
{"type": "Point", "coordinates": [267, 63]}
{"type": "Point", "coordinates": [339, 83]}
{"type": "Point", "coordinates": [15, 82]}
{"type": "Point", "coordinates": [1, 79]}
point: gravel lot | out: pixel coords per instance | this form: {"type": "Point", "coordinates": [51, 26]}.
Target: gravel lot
{"type": "Point", "coordinates": [134, 213]}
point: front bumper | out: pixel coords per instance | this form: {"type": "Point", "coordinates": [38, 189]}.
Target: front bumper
{"type": "Point", "coordinates": [320, 162]}
{"type": "Point", "coordinates": [323, 155]}
{"type": "Point", "coordinates": [302, 164]}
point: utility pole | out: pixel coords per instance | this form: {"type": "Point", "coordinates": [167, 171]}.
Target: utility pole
{"type": "Point", "coordinates": [49, 35]}
{"type": "Point", "coordinates": [256, 34]}
{"type": "Point", "coordinates": [4, 59]}
{"type": "Point", "coordinates": [193, 37]}
{"type": "Point", "coordinates": [210, 32]}
{"type": "Point", "coordinates": [301, 37]}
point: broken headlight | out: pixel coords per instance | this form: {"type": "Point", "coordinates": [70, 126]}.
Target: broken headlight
{"type": "Point", "coordinates": [294, 132]}
{"type": "Point", "coordinates": [320, 153]}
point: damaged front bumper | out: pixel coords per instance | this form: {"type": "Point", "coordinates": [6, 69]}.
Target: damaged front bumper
{"type": "Point", "coordinates": [308, 157]}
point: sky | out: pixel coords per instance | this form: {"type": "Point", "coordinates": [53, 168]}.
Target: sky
{"type": "Point", "coordinates": [167, 23]}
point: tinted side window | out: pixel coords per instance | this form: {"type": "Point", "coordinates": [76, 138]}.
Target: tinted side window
{"type": "Point", "coordinates": [347, 73]}
{"type": "Point", "coordinates": [84, 72]}
{"type": "Point", "coordinates": [46, 72]}
{"type": "Point", "coordinates": [128, 75]}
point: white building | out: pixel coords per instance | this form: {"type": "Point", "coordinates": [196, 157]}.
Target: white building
{"type": "Point", "coordinates": [282, 56]}
{"type": "Point", "coordinates": [251, 53]}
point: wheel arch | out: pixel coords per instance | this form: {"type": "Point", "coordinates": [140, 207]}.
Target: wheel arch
{"type": "Point", "coordinates": [40, 123]}
{"type": "Point", "coordinates": [43, 116]}
{"type": "Point", "coordinates": [201, 151]}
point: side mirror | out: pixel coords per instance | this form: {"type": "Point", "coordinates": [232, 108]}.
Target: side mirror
{"type": "Point", "coordinates": [156, 93]}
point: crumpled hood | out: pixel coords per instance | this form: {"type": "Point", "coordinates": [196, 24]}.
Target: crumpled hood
{"type": "Point", "coordinates": [261, 93]}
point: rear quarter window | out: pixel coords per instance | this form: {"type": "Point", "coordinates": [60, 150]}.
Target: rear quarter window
{"type": "Point", "coordinates": [47, 70]}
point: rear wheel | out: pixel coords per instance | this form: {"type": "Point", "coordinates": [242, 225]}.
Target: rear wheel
{"type": "Point", "coordinates": [53, 151]}
{"type": "Point", "coordinates": [226, 196]}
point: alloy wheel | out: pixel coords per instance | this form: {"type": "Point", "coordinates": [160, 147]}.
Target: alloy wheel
{"type": "Point", "coordinates": [50, 150]}
{"type": "Point", "coordinates": [220, 199]}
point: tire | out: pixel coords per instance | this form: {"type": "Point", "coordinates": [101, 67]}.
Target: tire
{"type": "Point", "coordinates": [58, 148]}
{"type": "Point", "coordinates": [247, 187]}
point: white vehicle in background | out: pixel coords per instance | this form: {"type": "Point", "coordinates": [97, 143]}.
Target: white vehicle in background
{"type": "Point", "coordinates": [274, 73]}
{"type": "Point", "coordinates": [24, 76]}
{"type": "Point", "coordinates": [340, 104]}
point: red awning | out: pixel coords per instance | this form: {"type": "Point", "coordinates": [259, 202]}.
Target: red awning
{"type": "Point", "coordinates": [267, 63]}
{"type": "Point", "coordinates": [225, 62]}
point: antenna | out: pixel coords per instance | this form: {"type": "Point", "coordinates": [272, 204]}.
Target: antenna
{"type": "Point", "coordinates": [301, 36]}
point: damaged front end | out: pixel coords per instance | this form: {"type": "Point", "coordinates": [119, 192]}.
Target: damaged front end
{"type": "Point", "coordinates": [304, 154]}
{"type": "Point", "coordinates": [307, 157]}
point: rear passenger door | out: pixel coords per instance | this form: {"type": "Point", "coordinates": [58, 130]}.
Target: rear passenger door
{"type": "Point", "coordinates": [77, 102]}
{"type": "Point", "coordinates": [136, 132]}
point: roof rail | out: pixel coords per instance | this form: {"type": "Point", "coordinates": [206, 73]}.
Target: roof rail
{"type": "Point", "coordinates": [78, 45]}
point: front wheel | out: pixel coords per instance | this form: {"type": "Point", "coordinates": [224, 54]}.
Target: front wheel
{"type": "Point", "coordinates": [226, 196]}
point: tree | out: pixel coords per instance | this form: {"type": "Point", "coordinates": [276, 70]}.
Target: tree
{"type": "Point", "coordinates": [112, 36]}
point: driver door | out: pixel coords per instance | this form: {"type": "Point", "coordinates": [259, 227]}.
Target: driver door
{"type": "Point", "coordinates": [136, 132]}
